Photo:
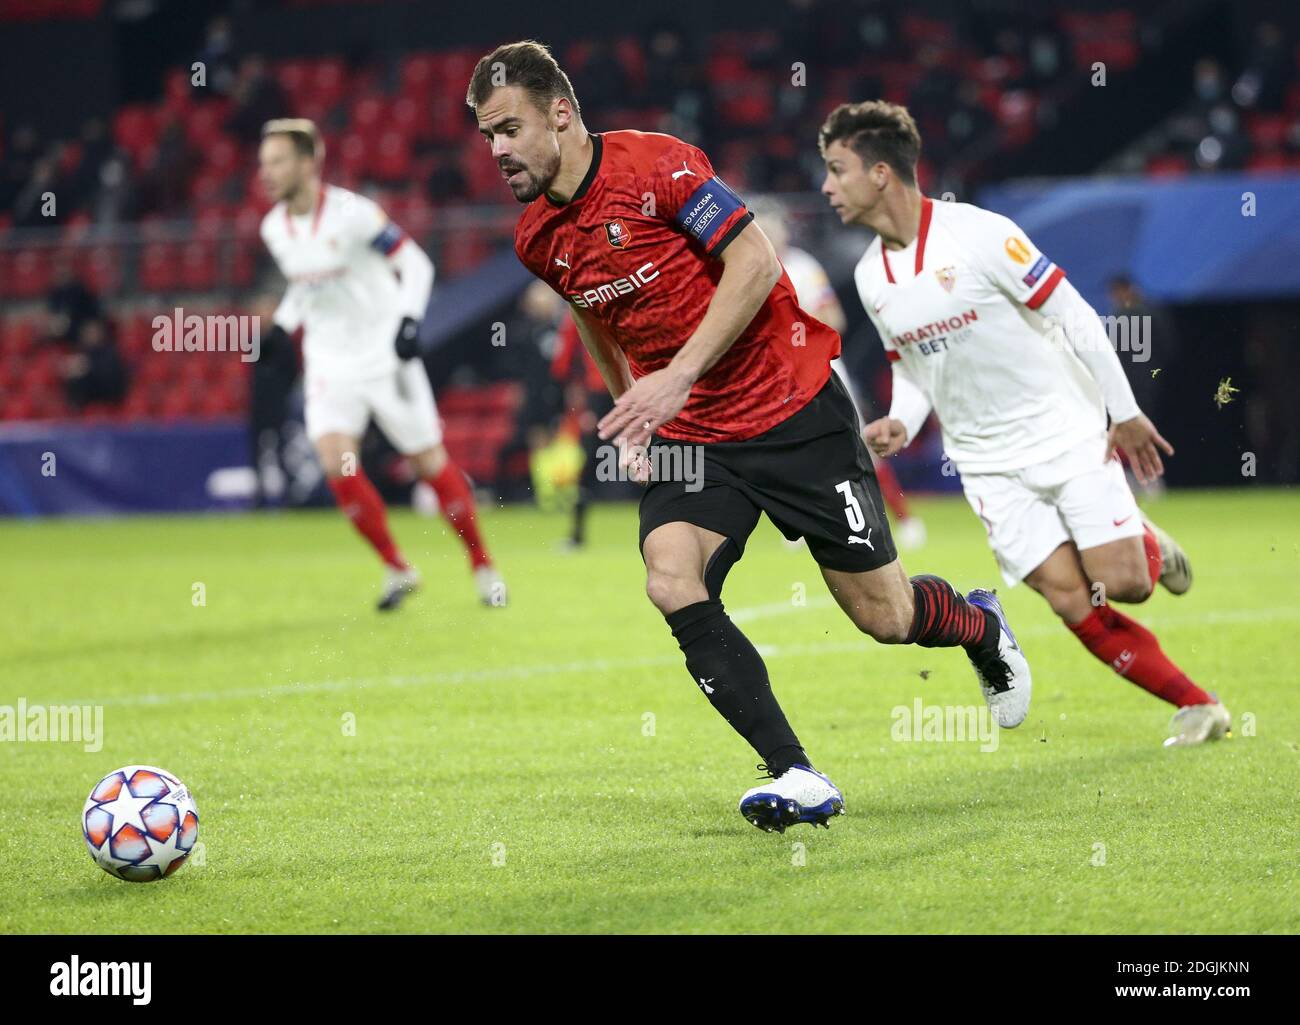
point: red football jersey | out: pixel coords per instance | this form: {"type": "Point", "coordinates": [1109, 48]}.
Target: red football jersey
{"type": "Point", "coordinates": [637, 248]}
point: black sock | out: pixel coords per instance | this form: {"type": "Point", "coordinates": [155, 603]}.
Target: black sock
{"type": "Point", "coordinates": [725, 665]}
{"type": "Point", "coordinates": [944, 619]}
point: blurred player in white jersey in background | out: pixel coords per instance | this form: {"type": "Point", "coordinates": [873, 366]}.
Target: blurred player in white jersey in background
{"type": "Point", "coordinates": [812, 287]}
{"type": "Point", "coordinates": [987, 332]}
{"type": "Point", "coordinates": [359, 287]}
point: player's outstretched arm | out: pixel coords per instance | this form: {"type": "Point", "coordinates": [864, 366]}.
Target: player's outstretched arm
{"type": "Point", "coordinates": [1130, 430]}
{"type": "Point", "coordinates": [750, 270]}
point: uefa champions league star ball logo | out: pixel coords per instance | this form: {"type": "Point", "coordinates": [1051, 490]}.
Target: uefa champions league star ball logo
{"type": "Point", "coordinates": [140, 823]}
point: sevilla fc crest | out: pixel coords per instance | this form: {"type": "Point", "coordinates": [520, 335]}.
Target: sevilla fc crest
{"type": "Point", "coordinates": [947, 277]}
{"type": "Point", "coordinates": [617, 233]}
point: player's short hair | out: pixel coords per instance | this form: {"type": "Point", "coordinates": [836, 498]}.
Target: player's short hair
{"type": "Point", "coordinates": [527, 64]}
{"type": "Point", "coordinates": [876, 131]}
{"type": "Point", "coordinates": [303, 133]}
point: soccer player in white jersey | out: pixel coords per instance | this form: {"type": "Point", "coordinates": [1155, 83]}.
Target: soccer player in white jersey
{"type": "Point", "coordinates": [358, 287]}
{"type": "Point", "coordinates": [987, 332]}
{"type": "Point", "coordinates": [812, 287]}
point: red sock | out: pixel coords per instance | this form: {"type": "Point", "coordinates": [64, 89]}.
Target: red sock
{"type": "Point", "coordinates": [1155, 562]}
{"type": "Point", "coordinates": [891, 490]}
{"type": "Point", "coordinates": [360, 502]}
{"type": "Point", "coordinates": [1133, 651]}
{"type": "Point", "coordinates": [457, 502]}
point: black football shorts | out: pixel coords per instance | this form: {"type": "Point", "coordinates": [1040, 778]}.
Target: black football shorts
{"type": "Point", "coordinates": [811, 474]}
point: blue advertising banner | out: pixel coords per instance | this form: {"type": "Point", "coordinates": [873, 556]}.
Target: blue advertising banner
{"type": "Point", "coordinates": [87, 470]}
{"type": "Point", "coordinates": [1204, 239]}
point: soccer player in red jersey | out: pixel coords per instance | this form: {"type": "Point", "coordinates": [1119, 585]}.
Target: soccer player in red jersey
{"type": "Point", "coordinates": [694, 325]}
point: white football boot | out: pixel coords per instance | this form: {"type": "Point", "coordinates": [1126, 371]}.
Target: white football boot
{"type": "Point", "coordinates": [910, 534]}
{"type": "Point", "coordinates": [1003, 673]}
{"type": "Point", "coordinates": [399, 583]}
{"type": "Point", "coordinates": [491, 587]}
{"type": "Point", "coordinates": [799, 794]}
{"type": "Point", "coordinates": [1176, 568]}
{"type": "Point", "coordinates": [1195, 724]}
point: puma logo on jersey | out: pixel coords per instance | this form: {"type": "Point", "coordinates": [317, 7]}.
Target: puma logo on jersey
{"type": "Point", "coordinates": [855, 540]}
{"type": "Point", "coordinates": [563, 263]}
{"type": "Point", "coordinates": [683, 172]}
{"type": "Point", "coordinates": [704, 684]}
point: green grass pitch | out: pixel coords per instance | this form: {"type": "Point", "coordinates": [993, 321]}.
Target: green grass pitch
{"type": "Point", "coordinates": [551, 768]}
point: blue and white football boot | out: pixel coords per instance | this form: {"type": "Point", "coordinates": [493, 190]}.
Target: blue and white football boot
{"type": "Point", "coordinates": [799, 794]}
{"type": "Point", "coordinates": [1003, 673]}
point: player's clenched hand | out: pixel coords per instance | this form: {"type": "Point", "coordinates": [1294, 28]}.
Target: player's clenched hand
{"type": "Point", "coordinates": [651, 402]}
{"type": "Point", "coordinates": [407, 342]}
{"type": "Point", "coordinates": [885, 436]}
{"type": "Point", "coordinates": [1142, 443]}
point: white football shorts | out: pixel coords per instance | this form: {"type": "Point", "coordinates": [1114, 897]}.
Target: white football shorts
{"type": "Point", "coordinates": [401, 403]}
{"type": "Point", "coordinates": [1079, 496]}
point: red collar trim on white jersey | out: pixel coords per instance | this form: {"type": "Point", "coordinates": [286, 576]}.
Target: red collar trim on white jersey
{"type": "Point", "coordinates": [922, 232]}
{"type": "Point", "coordinates": [315, 220]}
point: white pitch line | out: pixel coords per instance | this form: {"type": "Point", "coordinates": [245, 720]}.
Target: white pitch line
{"type": "Point", "coordinates": [589, 666]}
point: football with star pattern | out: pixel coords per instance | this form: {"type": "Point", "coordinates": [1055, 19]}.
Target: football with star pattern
{"type": "Point", "coordinates": [140, 823]}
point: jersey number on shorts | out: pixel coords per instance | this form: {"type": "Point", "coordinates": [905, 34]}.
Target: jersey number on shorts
{"type": "Point", "coordinates": [852, 511]}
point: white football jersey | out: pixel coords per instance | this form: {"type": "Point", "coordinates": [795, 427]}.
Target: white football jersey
{"type": "Point", "coordinates": [342, 289]}
{"type": "Point", "coordinates": [957, 310]}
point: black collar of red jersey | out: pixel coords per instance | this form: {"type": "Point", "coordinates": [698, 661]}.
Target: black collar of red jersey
{"type": "Point", "coordinates": [597, 148]}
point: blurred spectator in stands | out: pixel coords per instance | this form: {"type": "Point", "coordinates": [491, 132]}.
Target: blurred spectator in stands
{"type": "Point", "coordinates": [1272, 413]}
{"type": "Point", "coordinates": [30, 205]}
{"type": "Point", "coordinates": [1146, 341]}
{"type": "Point", "coordinates": [19, 161]}
{"type": "Point", "coordinates": [218, 56]}
{"type": "Point", "coordinates": [69, 304]}
{"type": "Point", "coordinates": [446, 180]}
{"type": "Point", "coordinates": [587, 396]}
{"type": "Point", "coordinates": [256, 98]}
{"type": "Point", "coordinates": [602, 82]}
{"type": "Point", "coordinates": [968, 119]}
{"type": "Point", "coordinates": [1209, 83]}
{"type": "Point", "coordinates": [530, 342]}
{"type": "Point", "coordinates": [1263, 83]}
{"type": "Point", "coordinates": [274, 374]}
{"type": "Point", "coordinates": [931, 97]}
{"type": "Point", "coordinates": [676, 82]}
{"type": "Point", "coordinates": [82, 185]}
{"type": "Point", "coordinates": [95, 371]}
{"type": "Point", "coordinates": [169, 172]}
{"type": "Point", "coordinates": [1226, 145]}
{"type": "Point", "coordinates": [116, 199]}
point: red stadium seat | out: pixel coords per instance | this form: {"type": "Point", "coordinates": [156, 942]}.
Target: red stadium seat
{"type": "Point", "coordinates": [159, 270]}
{"type": "Point", "coordinates": [198, 271]}
{"type": "Point", "coordinates": [1168, 165]}
{"type": "Point", "coordinates": [391, 158]}
{"type": "Point", "coordinates": [28, 274]}
{"type": "Point", "coordinates": [419, 73]}
{"type": "Point", "coordinates": [369, 117]}
{"type": "Point", "coordinates": [135, 127]}
{"type": "Point", "coordinates": [102, 268]}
